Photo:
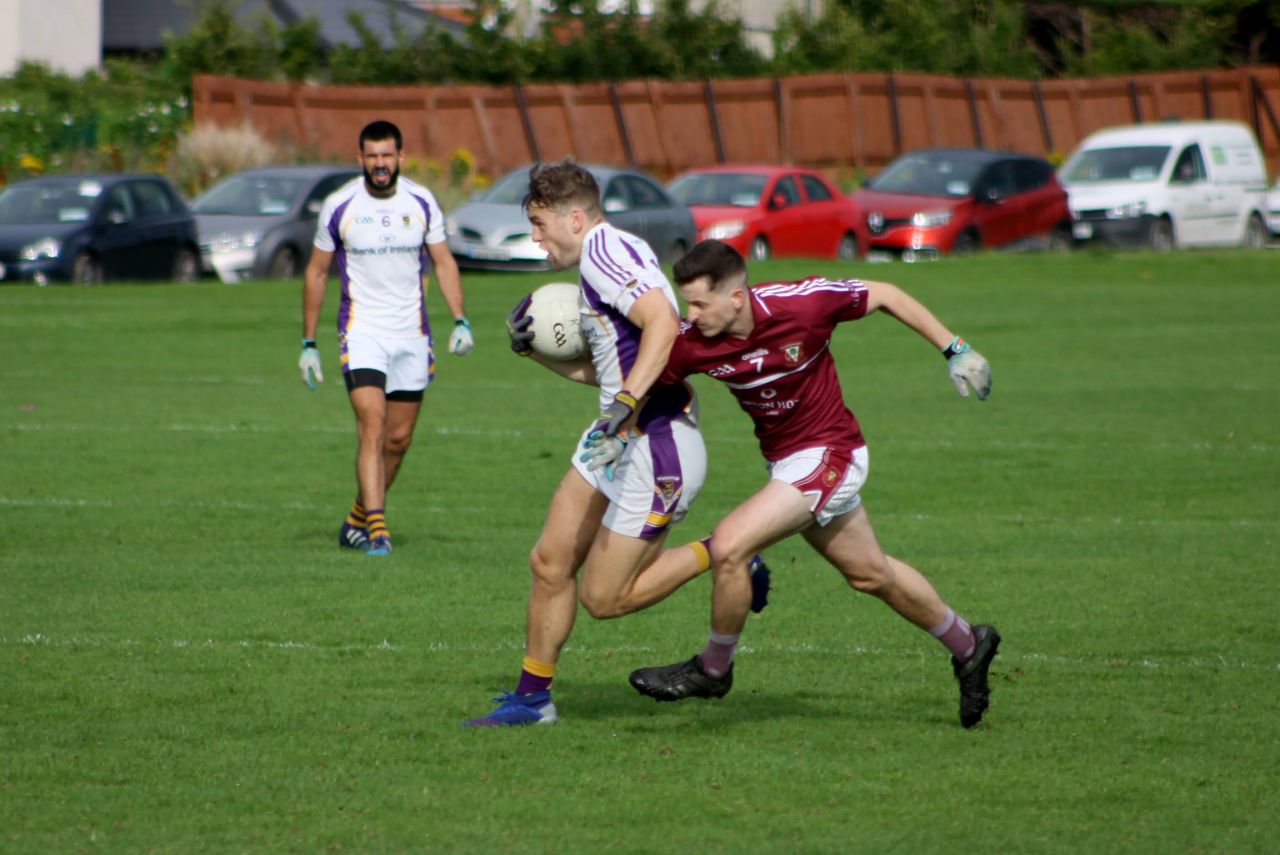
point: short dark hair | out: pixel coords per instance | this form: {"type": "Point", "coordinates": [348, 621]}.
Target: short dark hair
{"type": "Point", "coordinates": [379, 130]}
{"type": "Point", "coordinates": [565, 184]}
{"type": "Point", "coordinates": [714, 259]}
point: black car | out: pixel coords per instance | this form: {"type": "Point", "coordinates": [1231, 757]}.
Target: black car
{"type": "Point", "coordinates": [261, 223]}
{"type": "Point", "coordinates": [88, 228]}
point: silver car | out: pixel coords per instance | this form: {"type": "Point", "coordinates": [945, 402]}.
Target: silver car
{"type": "Point", "coordinates": [492, 232]}
{"type": "Point", "coordinates": [260, 223]}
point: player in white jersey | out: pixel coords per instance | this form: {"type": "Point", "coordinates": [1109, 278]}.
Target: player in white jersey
{"type": "Point", "coordinates": [611, 513]}
{"type": "Point", "coordinates": [386, 232]}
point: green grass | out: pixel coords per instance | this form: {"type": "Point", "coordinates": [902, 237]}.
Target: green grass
{"type": "Point", "coordinates": [188, 663]}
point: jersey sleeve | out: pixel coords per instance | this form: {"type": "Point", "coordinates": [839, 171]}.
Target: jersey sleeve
{"type": "Point", "coordinates": [326, 228]}
{"type": "Point", "coordinates": [848, 299]}
{"type": "Point", "coordinates": [435, 219]}
{"type": "Point", "coordinates": [620, 270]}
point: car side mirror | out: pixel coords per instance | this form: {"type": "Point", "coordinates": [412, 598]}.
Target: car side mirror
{"type": "Point", "coordinates": [614, 205]}
{"type": "Point", "coordinates": [991, 196]}
{"type": "Point", "coordinates": [314, 206]}
{"type": "Point", "coordinates": [779, 201]}
{"type": "Point", "coordinates": [117, 218]}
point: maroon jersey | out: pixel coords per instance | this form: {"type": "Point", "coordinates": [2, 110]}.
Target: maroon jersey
{"type": "Point", "coordinates": [783, 374]}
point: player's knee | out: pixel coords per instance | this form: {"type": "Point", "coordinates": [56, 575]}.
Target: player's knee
{"type": "Point", "coordinates": [547, 572]}
{"type": "Point", "coordinates": [874, 578]}
{"type": "Point", "coordinates": [602, 605]}
{"type": "Point", "coordinates": [727, 556]}
{"type": "Point", "coordinates": [398, 444]}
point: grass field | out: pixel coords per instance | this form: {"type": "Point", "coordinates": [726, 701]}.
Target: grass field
{"type": "Point", "coordinates": [189, 664]}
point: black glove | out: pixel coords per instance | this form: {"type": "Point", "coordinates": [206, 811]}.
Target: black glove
{"type": "Point", "coordinates": [518, 327]}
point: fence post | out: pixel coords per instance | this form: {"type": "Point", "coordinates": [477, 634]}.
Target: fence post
{"type": "Point", "coordinates": [974, 119]}
{"type": "Point", "coordinates": [895, 123]}
{"type": "Point", "coordinates": [709, 96]}
{"type": "Point", "coordinates": [1205, 96]}
{"type": "Point", "coordinates": [1135, 108]}
{"type": "Point", "coordinates": [1045, 133]}
{"type": "Point", "coordinates": [780, 111]}
{"type": "Point", "coordinates": [621, 121]}
{"type": "Point", "coordinates": [529, 136]}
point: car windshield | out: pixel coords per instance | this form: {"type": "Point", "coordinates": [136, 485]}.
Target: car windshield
{"type": "Point", "coordinates": [931, 174]}
{"type": "Point", "coordinates": [1125, 163]}
{"type": "Point", "coordinates": [719, 188]}
{"type": "Point", "coordinates": [509, 189]}
{"type": "Point", "coordinates": [252, 196]}
{"type": "Point", "coordinates": [45, 204]}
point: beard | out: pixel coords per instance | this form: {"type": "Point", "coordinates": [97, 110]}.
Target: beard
{"type": "Point", "coordinates": [382, 180]}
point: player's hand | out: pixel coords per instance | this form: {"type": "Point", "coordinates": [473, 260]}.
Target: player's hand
{"type": "Point", "coordinates": [518, 322]}
{"type": "Point", "coordinates": [603, 450]}
{"type": "Point", "coordinates": [616, 414]}
{"type": "Point", "coordinates": [461, 342]}
{"type": "Point", "coordinates": [309, 365]}
{"type": "Point", "coordinates": [967, 368]}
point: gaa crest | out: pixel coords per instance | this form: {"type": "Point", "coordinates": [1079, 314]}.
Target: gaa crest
{"type": "Point", "coordinates": [830, 477]}
{"type": "Point", "coordinates": [793, 353]}
{"type": "Point", "coordinates": [406, 221]}
{"type": "Point", "coordinates": [668, 489]}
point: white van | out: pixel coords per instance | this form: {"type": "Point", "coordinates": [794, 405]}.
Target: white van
{"type": "Point", "coordinates": [1167, 184]}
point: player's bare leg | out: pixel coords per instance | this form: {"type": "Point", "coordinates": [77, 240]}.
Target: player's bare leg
{"type": "Point", "coordinates": [402, 418]}
{"type": "Point", "coordinates": [624, 574]}
{"type": "Point", "coordinates": [370, 406]}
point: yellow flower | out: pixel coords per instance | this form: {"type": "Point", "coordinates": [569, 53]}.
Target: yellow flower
{"type": "Point", "coordinates": [31, 163]}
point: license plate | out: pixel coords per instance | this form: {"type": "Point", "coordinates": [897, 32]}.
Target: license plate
{"type": "Point", "coordinates": [488, 253]}
{"type": "Point", "coordinates": [1082, 231]}
{"type": "Point", "coordinates": [877, 256]}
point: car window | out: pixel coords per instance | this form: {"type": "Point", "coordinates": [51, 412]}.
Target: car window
{"type": "Point", "coordinates": [44, 204]}
{"type": "Point", "coordinates": [150, 198]}
{"type": "Point", "coordinates": [614, 197]}
{"type": "Point", "coordinates": [928, 173]}
{"type": "Point", "coordinates": [1031, 175]}
{"type": "Point", "coordinates": [719, 188]}
{"type": "Point", "coordinates": [816, 190]}
{"type": "Point", "coordinates": [998, 181]}
{"type": "Point", "coordinates": [1125, 163]}
{"type": "Point", "coordinates": [322, 190]}
{"type": "Point", "coordinates": [117, 206]}
{"type": "Point", "coordinates": [788, 189]}
{"type": "Point", "coordinates": [1189, 167]}
{"type": "Point", "coordinates": [643, 193]}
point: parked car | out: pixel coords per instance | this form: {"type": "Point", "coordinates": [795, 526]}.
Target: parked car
{"type": "Point", "coordinates": [87, 228]}
{"type": "Point", "coordinates": [1273, 211]}
{"type": "Point", "coordinates": [1169, 184]}
{"type": "Point", "coordinates": [765, 211]}
{"type": "Point", "coordinates": [260, 223]}
{"type": "Point", "coordinates": [491, 231]}
{"type": "Point", "coordinates": [955, 200]}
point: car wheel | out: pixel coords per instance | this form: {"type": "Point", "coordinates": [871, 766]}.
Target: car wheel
{"type": "Point", "coordinates": [966, 244]}
{"type": "Point", "coordinates": [759, 249]}
{"type": "Point", "coordinates": [1060, 239]}
{"type": "Point", "coordinates": [86, 270]}
{"type": "Point", "coordinates": [848, 248]}
{"type": "Point", "coordinates": [1255, 232]}
{"type": "Point", "coordinates": [186, 267]}
{"type": "Point", "coordinates": [1161, 237]}
{"type": "Point", "coordinates": [284, 264]}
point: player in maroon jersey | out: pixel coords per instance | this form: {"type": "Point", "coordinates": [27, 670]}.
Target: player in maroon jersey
{"type": "Point", "coordinates": [770, 344]}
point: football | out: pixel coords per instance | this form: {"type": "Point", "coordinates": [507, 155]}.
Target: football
{"type": "Point", "coordinates": [557, 324]}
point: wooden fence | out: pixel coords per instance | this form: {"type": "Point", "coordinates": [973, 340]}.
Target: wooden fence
{"type": "Point", "coordinates": [829, 121]}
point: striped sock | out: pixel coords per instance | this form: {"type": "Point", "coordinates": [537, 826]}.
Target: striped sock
{"type": "Point", "coordinates": [356, 516]}
{"type": "Point", "coordinates": [956, 635]}
{"type": "Point", "coordinates": [535, 676]}
{"type": "Point", "coordinates": [717, 656]}
{"type": "Point", "coordinates": [377, 523]}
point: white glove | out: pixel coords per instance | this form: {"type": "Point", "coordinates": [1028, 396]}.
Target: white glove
{"type": "Point", "coordinates": [309, 365]}
{"type": "Point", "coordinates": [603, 450]}
{"type": "Point", "coordinates": [966, 367]}
{"type": "Point", "coordinates": [460, 341]}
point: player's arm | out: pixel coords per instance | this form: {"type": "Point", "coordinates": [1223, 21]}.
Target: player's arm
{"type": "Point", "coordinates": [580, 370]}
{"type": "Point", "coordinates": [450, 279]}
{"type": "Point", "coordinates": [964, 364]}
{"type": "Point", "coordinates": [659, 325]}
{"type": "Point", "coordinates": [314, 281]}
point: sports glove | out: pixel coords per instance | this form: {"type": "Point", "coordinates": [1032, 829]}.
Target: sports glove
{"type": "Point", "coordinates": [966, 367]}
{"type": "Point", "coordinates": [518, 327]}
{"type": "Point", "coordinates": [309, 364]}
{"type": "Point", "coordinates": [460, 341]}
{"type": "Point", "coordinates": [621, 409]}
{"type": "Point", "coordinates": [603, 450]}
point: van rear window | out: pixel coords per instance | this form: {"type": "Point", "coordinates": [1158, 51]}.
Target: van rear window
{"type": "Point", "coordinates": [1126, 163]}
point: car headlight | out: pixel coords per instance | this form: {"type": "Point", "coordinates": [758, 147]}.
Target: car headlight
{"type": "Point", "coordinates": [1127, 212]}
{"type": "Point", "coordinates": [230, 243]}
{"type": "Point", "coordinates": [45, 248]}
{"type": "Point", "coordinates": [930, 219]}
{"type": "Point", "coordinates": [727, 229]}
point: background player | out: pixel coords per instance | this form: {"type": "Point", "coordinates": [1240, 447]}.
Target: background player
{"type": "Point", "coordinates": [770, 344]}
{"type": "Point", "coordinates": [611, 513]}
{"type": "Point", "coordinates": [386, 231]}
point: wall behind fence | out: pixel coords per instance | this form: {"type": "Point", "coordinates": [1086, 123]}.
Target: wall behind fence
{"type": "Point", "coordinates": [828, 121]}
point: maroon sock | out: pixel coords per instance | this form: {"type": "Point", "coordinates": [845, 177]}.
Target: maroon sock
{"type": "Point", "coordinates": [956, 635]}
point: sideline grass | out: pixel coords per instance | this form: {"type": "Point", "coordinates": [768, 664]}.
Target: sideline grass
{"type": "Point", "coordinates": [189, 664]}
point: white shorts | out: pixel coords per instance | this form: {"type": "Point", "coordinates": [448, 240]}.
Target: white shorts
{"type": "Point", "coordinates": [408, 362]}
{"type": "Point", "coordinates": [832, 479]}
{"type": "Point", "coordinates": [660, 474]}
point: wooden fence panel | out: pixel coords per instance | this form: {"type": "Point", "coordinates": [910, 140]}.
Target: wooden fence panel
{"type": "Point", "coordinates": [828, 121]}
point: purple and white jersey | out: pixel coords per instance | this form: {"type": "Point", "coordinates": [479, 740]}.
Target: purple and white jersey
{"type": "Point", "coordinates": [381, 249]}
{"type": "Point", "coordinates": [616, 269]}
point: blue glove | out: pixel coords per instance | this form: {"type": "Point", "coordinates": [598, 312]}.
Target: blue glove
{"type": "Point", "coordinates": [518, 322]}
{"type": "Point", "coordinates": [461, 342]}
{"type": "Point", "coordinates": [966, 367]}
{"type": "Point", "coordinates": [309, 364]}
{"type": "Point", "coordinates": [603, 450]}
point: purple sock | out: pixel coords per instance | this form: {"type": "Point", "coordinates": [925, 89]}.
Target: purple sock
{"type": "Point", "coordinates": [717, 656]}
{"type": "Point", "coordinates": [530, 683]}
{"type": "Point", "coordinates": [956, 635]}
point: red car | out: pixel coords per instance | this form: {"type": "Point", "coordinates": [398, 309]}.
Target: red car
{"type": "Point", "coordinates": [956, 200]}
{"type": "Point", "coordinates": [766, 211]}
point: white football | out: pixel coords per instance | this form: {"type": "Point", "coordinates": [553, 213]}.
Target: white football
{"type": "Point", "coordinates": [557, 322]}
